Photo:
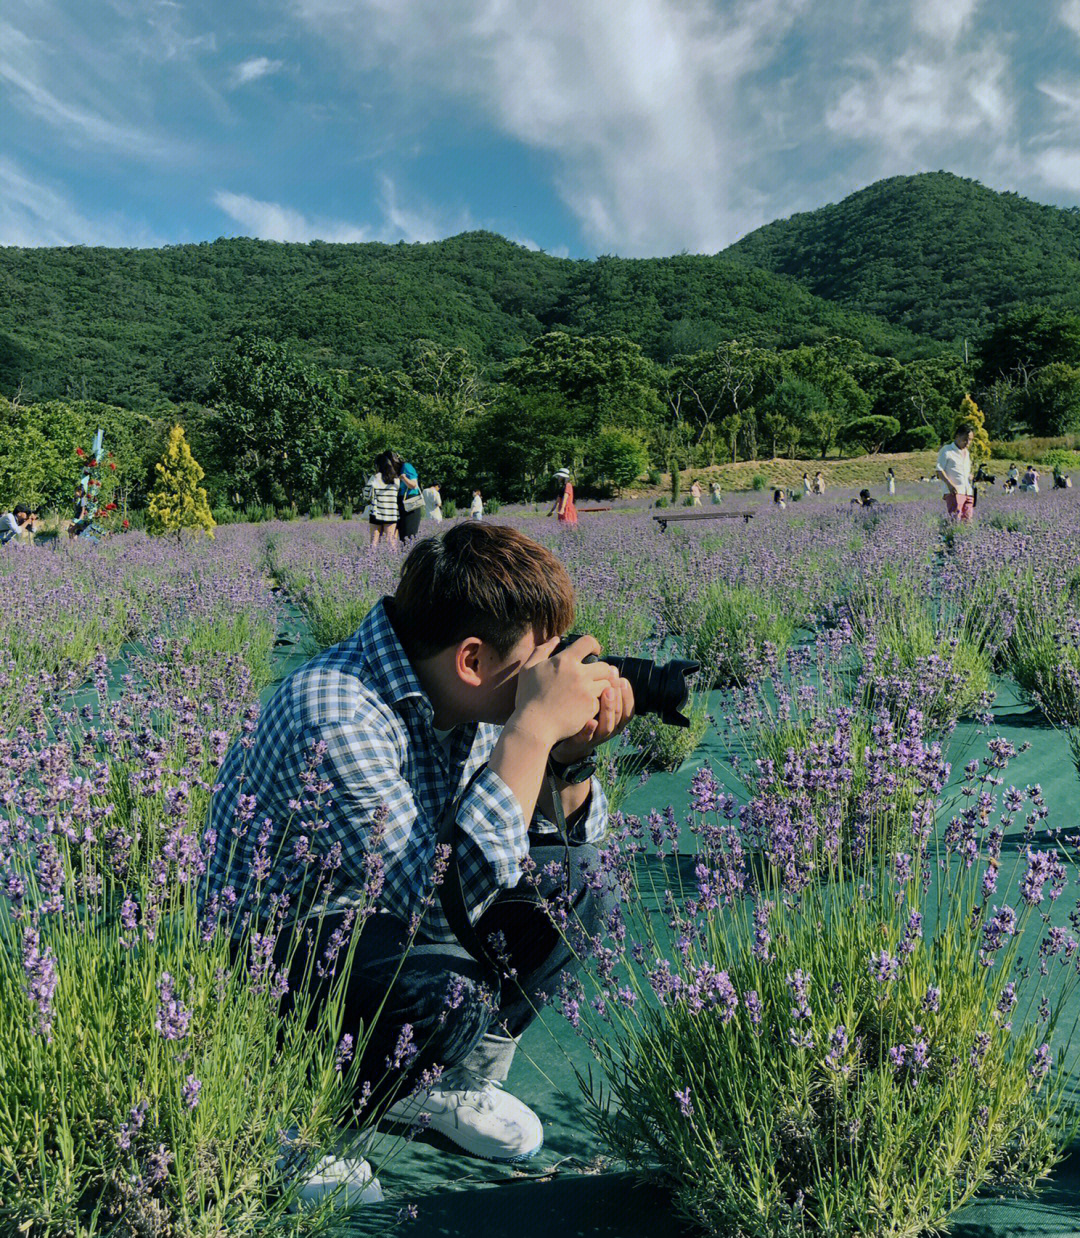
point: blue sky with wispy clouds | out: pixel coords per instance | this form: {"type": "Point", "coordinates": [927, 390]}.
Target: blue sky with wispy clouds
{"type": "Point", "coordinates": [580, 126]}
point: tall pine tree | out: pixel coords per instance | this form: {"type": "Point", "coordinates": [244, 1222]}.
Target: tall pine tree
{"type": "Point", "coordinates": [178, 502]}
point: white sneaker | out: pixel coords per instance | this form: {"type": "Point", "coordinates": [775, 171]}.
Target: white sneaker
{"type": "Point", "coordinates": [342, 1171]}
{"type": "Point", "coordinates": [475, 1113]}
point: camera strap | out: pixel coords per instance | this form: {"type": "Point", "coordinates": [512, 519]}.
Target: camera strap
{"type": "Point", "coordinates": [451, 895]}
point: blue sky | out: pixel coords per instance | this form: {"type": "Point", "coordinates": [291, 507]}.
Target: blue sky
{"type": "Point", "coordinates": [635, 127]}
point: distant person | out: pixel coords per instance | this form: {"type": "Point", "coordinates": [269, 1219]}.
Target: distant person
{"type": "Point", "coordinates": [807, 485]}
{"type": "Point", "coordinates": [15, 523]}
{"type": "Point", "coordinates": [82, 517]}
{"type": "Point", "coordinates": [819, 482]}
{"type": "Point", "coordinates": [715, 492]}
{"type": "Point", "coordinates": [778, 499]}
{"type": "Point", "coordinates": [865, 499]}
{"type": "Point", "coordinates": [433, 502]}
{"type": "Point", "coordinates": [695, 494]}
{"type": "Point", "coordinates": [1062, 481]}
{"type": "Point", "coordinates": [1030, 480]}
{"type": "Point", "coordinates": [954, 469]}
{"type": "Point", "coordinates": [381, 493]}
{"type": "Point", "coordinates": [1012, 479]}
{"type": "Point", "coordinates": [410, 502]}
{"type": "Point", "coordinates": [476, 507]}
{"type": "Point", "coordinates": [563, 507]}
{"type": "Point", "coordinates": [890, 481]}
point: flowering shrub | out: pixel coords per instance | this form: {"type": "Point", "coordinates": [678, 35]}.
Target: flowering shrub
{"type": "Point", "coordinates": [821, 1042]}
{"type": "Point", "coordinates": [152, 1084]}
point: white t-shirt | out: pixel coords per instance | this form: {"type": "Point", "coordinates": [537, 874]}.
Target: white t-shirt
{"type": "Point", "coordinates": [433, 503]}
{"type": "Point", "coordinates": [477, 508]}
{"type": "Point", "coordinates": [956, 465]}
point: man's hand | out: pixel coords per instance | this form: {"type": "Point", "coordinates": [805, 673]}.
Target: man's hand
{"type": "Point", "coordinates": [616, 710]}
{"type": "Point", "coordinates": [560, 698]}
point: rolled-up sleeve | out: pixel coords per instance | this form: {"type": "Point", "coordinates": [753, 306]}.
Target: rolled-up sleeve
{"type": "Point", "coordinates": [373, 810]}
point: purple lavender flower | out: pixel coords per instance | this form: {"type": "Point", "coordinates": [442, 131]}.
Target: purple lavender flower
{"type": "Point", "coordinates": [173, 1019]}
{"type": "Point", "coordinates": [190, 1092]}
{"type": "Point", "coordinates": [686, 1107]}
{"type": "Point", "coordinates": [1041, 1066]}
{"type": "Point", "coordinates": [39, 967]}
{"type": "Point", "coordinates": [884, 967]}
{"type": "Point", "coordinates": [344, 1053]}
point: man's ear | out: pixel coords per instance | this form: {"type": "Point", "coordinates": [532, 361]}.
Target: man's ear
{"type": "Point", "coordinates": [467, 661]}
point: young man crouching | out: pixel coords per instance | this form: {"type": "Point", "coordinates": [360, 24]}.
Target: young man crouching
{"type": "Point", "coordinates": [446, 693]}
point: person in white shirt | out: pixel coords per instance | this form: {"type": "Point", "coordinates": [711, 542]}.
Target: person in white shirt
{"type": "Point", "coordinates": [954, 469]}
{"type": "Point", "coordinates": [807, 488]}
{"type": "Point", "coordinates": [476, 508]}
{"type": "Point", "coordinates": [433, 502]}
{"type": "Point", "coordinates": [890, 481]}
{"type": "Point", "coordinates": [381, 498]}
{"type": "Point", "coordinates": [13, 524]}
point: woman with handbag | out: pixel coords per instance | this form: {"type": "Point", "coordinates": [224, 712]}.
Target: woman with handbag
{"type": "Point", "coordinates": [411, 500]}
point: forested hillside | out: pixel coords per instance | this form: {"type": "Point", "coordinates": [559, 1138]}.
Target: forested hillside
{"type": "Point", "coordinates": [133, 326]}
{"type": "Point", "coordinates": [940, 255]}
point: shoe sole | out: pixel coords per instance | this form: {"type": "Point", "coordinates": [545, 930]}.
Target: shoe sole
{"type": "Point", "coordinates": [406, 1123]}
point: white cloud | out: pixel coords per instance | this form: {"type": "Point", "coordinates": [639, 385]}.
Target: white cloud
{"type": "Point", "coordinates": [33, 213]}
{"type": "Point", "coordinates": [1059, 168]}
{"type": "Point", "coordinates": [251, 70]}
{"type": "Point", "coordinates": [21, 71]}
{"type": "Point", "coordinates": [917, 106]}
{"type": "Point", "coordinates": [1070, 14]}
{"type": "Point", "coordinates": [272, 221]}
{"type": "Point", "coordinates": [637, 100]}
{"type": "Point", "coordinates": [944, 20]}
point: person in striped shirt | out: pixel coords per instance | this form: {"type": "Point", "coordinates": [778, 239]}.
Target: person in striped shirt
{"type": "Point", "coordinates": [381, 493]}
{"type": "Point", "coordinates": [446, 705]}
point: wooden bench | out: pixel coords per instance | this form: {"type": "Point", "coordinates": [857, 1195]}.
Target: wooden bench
{"type": "Point", "coordinates": [666, 518]}
{"type": "Point", "coordinates": [587, 511]}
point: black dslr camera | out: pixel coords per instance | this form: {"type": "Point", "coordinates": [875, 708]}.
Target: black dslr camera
{"type": "Point", "coordinates": [658, 689]}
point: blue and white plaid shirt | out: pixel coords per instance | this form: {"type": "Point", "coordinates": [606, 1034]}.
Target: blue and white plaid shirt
{"type": "Point", "coordinates": [344, 771]}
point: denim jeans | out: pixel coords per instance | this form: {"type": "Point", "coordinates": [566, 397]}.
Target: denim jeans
{"type": "Point", "coordinates": [462, 1011]}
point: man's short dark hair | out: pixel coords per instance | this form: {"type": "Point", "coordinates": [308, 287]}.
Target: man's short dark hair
{"type": "Point", "coordinates": [20, 511]}
{"type": "Point", "coordinates": [485, 580]}
{"type": "Point", "coordinates": [965, 427]}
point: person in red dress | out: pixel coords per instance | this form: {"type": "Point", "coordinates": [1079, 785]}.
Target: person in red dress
{"type": "Point", "coordinates": [563, 507]}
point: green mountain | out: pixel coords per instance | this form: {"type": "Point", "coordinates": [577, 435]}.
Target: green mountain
{"type": "Point", "coordinates": [132, 326]}
{"type": "Point", "coordinates": [940, 255]}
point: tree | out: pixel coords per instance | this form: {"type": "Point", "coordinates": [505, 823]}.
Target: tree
{"type": "Point", "coordinates": [774, 425]}
{"type": "Point", "coordinates": [980, 444]}
{"type": "Point", "coordinates": [729, 428]}
{"type": "Point", "coordinates": [1025, 340]}
{"type": "Point", "coordinates": [869, 434]}
{"type": "Point", "coordinates": [521, 439]}
{"type": "Point", "coordinates": [823, 427]}
{"type": "Point", "coordinates": [793, 403]}
{"type": "Point", "coordinates": [1050, 404]}
{"type": "Point", "coordinates": [278, 422]}
{"type": "Point", "coordinates": [616, 456]}
{"type": "Point", "coordinates": [178, 502]}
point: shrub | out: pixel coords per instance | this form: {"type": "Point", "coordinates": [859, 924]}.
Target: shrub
{"type": "Point", "coordinates": [833, 1048]}
{"type": "Point", "coordinates": [760, 482]}
{"type": "Point", "coordinates": [666, 747]}
{"type": "Point", "coordinates": [688, 501]}
{"type": "Point", "coordinates": [449, 509]}
{"type": "Point", "coordinates": [918, 438]}
{"type": "Point", "coordinates": [347, 510]}
{"type": "Point", "coordinates": [316, 510]}
{"type": "Point", "coordinates": [662, 501]}
{"type": "Point", "coordinates": [655, 477]}
{"type": "Point", "coordinates": [727, 629]}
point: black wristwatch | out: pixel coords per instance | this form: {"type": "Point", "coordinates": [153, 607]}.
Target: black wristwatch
{"type": "Point", "coordinates": [573, 772]}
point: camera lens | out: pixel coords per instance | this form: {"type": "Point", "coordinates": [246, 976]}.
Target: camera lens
{"type": "Point", "coordinates": [659, 688]}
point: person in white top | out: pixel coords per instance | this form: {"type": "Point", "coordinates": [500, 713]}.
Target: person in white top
{"type": "Point", "coordinates": [476, 508]}
{"type": "Point", "coordinates": [890, 481]}
{"type": "Point", "coordinates": [954, 469]}
{"type": "Point", "coordinates": [433, 502]}
{"type": "Point", "coordinates": [807, 488]}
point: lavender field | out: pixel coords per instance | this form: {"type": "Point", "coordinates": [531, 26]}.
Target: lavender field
{"type": "Point", "coordinates": [839, 995]}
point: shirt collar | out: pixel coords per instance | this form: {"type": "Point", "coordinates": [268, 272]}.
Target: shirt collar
{"type": "Point", "coordinates": [392, 674]}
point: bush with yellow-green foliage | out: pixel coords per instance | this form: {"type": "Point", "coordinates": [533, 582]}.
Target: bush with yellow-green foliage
{"type": "Point", "coordinates": [178, 502]}
{"type": "Point", "coordinates": [980, 444]}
